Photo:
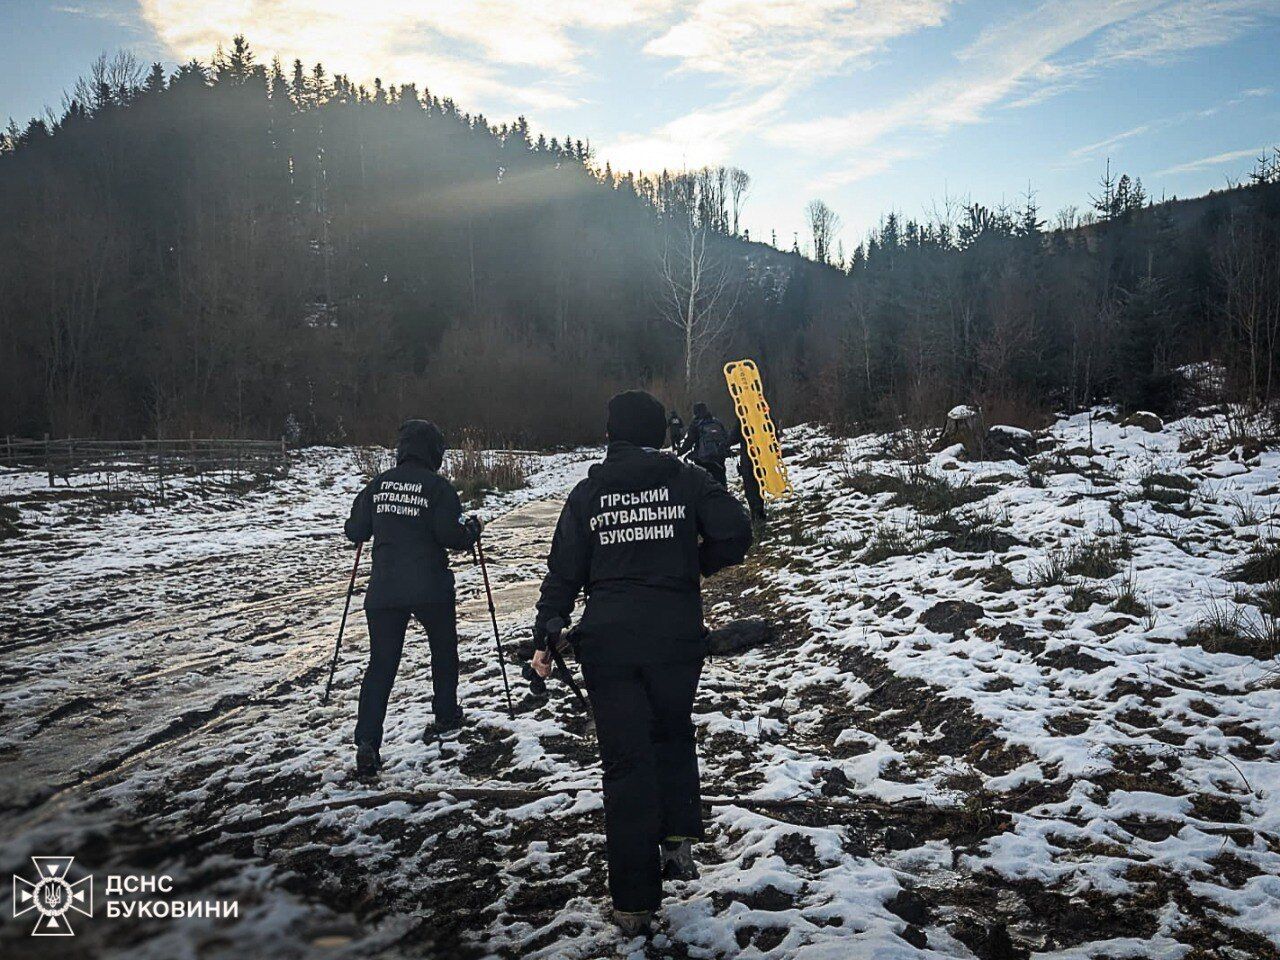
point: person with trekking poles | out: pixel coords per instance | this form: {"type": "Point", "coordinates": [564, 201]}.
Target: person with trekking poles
{"type": "Point", "coordinates": [707, 443]}
{"type": "Point", "coordinates": [675, 426]}
{"type": "Point", "coordinates": [637, 535]}
{"type": "Point", "coordinates": [413, 515]}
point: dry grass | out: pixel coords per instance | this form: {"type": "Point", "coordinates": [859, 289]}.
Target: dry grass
{"type": "Point", "coordinates": [371, 461]}
{"type": "Point", "coordinates": [476, 472]}
{"type": "Point", "coordinates": [1227, 627]}
{"type": "Point", "coordinates": [1095, 558]}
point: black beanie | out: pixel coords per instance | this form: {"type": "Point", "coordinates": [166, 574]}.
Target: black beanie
{"type": "Point", "coordinates": [637, 417]}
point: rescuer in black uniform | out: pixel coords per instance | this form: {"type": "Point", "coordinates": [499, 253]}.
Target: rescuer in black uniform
{"type": "Point", "coordinates": [413, 514]}
{"type": "Point", "coordinates": [746, 470]}
{"type": "Point", "coordinates": [637, 536]}
{"type": "Point", "coordinates": [707, 443]}
{"type": "Point", "coordinates": [675, 426]}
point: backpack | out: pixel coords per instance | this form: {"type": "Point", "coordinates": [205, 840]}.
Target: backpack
{"type": "Point", "coordinates": [713, 441]}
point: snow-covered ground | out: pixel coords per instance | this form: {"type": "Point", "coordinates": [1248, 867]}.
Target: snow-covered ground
{"type": "Point", "coordinates": [1008, 709]}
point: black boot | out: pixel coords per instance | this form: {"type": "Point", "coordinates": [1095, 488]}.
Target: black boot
{"type": "Point", "coordinates": [440, 727]}
{"type": "Point", "coordinates": [633, 923]}
{"type": "Point", "coordinates": [677, 860]}
{"type": "Point", "coordinates": [368, 760]}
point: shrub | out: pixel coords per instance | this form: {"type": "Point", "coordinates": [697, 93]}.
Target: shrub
{"type": "Point", "coordinates": [1096, 559]}
{"type": "Point", "coordinates": [371, 461]}
{"type": "Point", "coordinates": [861, 479]}
{"type": "Point", "coordinates": [980, 530]}
{"type": "Point", "coordinates": [475, 471]}
{"type": "Point", "coordinates": [1052, 570]}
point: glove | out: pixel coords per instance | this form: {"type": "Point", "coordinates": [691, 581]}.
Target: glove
{"type": "Point", "coordinates": [554, 629]}
{"type": "Point", "coordinates": [474, 524]}
{"type": "Point", "coordinates": [540, 638]}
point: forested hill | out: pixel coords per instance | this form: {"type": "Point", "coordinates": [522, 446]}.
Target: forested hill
{"type": "Point", "coordinates": [250, 249]}
{"type": "Point", "coordinates": [226, 247]}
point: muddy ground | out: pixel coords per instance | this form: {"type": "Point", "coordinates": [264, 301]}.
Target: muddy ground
{"type": "Point", "coordinates": [164, 717]}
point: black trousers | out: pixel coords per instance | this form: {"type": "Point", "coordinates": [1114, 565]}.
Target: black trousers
{"type": "Point", "coordinates": [716, 469]}
{"type": "Point", "coordinates": [751, 488]}
{"type": "Point", "coordinates": [386, 643]}
{"type": "Point", "coordinates": [644, 724]}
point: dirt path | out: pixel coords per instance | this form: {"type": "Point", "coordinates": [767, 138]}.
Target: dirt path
{"type": "Point", "coordinates": [857, 802]}
{"type": "Point", "coordinates": [146, 735]}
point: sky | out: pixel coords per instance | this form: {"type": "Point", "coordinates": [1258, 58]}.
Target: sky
{"type": "Point", "coordinates": [869, 105]}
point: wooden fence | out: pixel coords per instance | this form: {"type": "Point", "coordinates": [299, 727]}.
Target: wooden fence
{"type": "Point", "coordinates": [157, 459]}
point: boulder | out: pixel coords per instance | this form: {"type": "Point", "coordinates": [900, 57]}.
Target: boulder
{"type": "Point", "coordinates": [1020, 443]}
{"type": "Point", "coordinates": [739, 635]}
{"type": "Point", "coordinates": [1144, 420]}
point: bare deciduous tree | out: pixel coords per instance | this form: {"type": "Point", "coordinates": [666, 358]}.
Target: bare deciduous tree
{"type": "Point", "coordinates": [823, 224]}
{"type": "Point", "coordinates": [739, 187]}
{"type": "Point", "coordinates": [698, 292]}
{"type": "Point", "coordinates": [111, 80]}
{"type": "Point", "coordinates": [1247, 267]}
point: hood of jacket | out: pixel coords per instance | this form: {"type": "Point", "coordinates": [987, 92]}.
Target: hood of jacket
{"type": "Point", "coordinates": [420, 440]}
{"type": "Point", "coordinates": [629, 467]}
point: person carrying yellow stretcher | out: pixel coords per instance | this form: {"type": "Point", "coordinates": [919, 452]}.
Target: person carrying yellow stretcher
{"type": "Point", "coordinates": [759, 456]}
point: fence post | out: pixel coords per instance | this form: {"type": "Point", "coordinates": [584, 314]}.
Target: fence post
{"type": "Point", "coordinates": [160, 461]}
{"type": "Point", "coordinates": [48, 461]}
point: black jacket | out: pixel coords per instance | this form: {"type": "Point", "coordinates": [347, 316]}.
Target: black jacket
{"type": "Point", "coordinates": [675, 426]}
{"type": "Point", "coordinates": [412, 513]}
{"type": "Point", "coordinates": [689, 445]}
{"type": "Point", "coordinates": [637, 535]}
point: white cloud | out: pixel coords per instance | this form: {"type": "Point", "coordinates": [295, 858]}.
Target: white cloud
{"type": "Point", "coordinates": [762, 42]}
{"type": "Point", "coordinates": [1183, 25]}
{"type": "Point", "coordinates": [702, 137]}
{"type": "Point", "coordinates": [1103, 146]}
{"type": "Point", "coordinates": [465, 47]}
{"type": "Point", "coordinates": [1020, 61]}
{"type": "Point", "coordinates": [767, 51]}
{"type": "Point", "coordinates": [865, 165]}
{"type": "Point", "coordinates": [999, 63]}
{"type": "Point", "coordinates": [1216, 160]}
{"type": "Point", "coordinates": [744, 65]}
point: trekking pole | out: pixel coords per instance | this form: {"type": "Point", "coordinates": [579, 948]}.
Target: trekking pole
{"type": "Point", "coordinates": [554, 629]}
{"type": "Point", "coordinates": [346, 608]}
{"type": "Point", "coordinates": [493, 617]}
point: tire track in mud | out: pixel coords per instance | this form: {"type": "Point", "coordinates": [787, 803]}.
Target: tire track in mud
{"type": "Point", "coordinates": [188, 726]}
{"type": "Point", "coordinates": [192, 723]}
{"type": "Point", "coordinates": [184, 615]}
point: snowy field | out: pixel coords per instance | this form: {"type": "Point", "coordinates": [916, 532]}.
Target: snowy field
{"type": "Point", "coordinates": [1010, 709]}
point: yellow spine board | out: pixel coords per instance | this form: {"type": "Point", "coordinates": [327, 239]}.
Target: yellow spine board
{"type": "Point", "coordinates": [743, 378]}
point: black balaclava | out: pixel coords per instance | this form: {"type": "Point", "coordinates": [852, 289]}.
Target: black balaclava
{"type": "Point", "coordinates": [420, 440]}
{"type": "Point", "coordinates": [637, 417]}
{"type": "Point", "coordinates": [700, 410]}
